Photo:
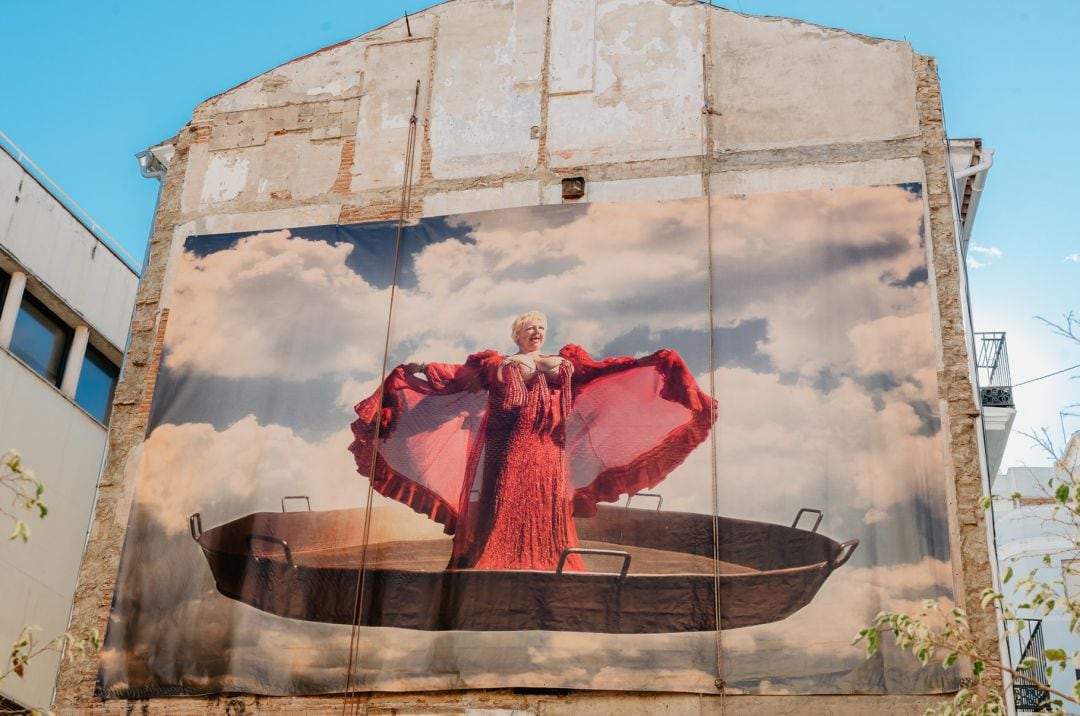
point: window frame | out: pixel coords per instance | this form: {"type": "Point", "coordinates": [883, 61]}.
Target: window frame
{"type": "Point", "coordinates": [5, 282]}
{"type": "Point", "coordinates": [68, 333]}
{"type": "Point", "coordinates": [95, 356]}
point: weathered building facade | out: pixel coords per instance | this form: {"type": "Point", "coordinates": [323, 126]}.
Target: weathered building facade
{"type": "Point", "coordinates": [64, 310]}
{"type": "Point", "coordinates": [478, 105]}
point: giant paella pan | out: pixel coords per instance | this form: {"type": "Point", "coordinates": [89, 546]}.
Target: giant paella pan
{"type": "Point", "coordinates": [649, 571]}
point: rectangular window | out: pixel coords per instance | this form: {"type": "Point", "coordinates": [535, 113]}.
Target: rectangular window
{"type": "Point", "coordinates": [40, 339]}
{"type": "Point", "coordinates": [97, 384]}
{"type": "Point", "coordinates": [5, 279]}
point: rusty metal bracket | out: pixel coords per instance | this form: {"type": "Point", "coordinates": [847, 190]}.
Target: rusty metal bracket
{"type": "Point", "coordinates": [606, 552]}
{"type": "Point", "coordinates": [195, 525]}
{"type": "Point", "coordinates": [846, 550]}
{"type": "Point", "coordinates": [659, 499]}
{"type": "Point", "coordinates": [810, 510]}
{"type": "Point", "coordinates": [277, 541]}
{"type": "Point", "coordinates": [295, 497]}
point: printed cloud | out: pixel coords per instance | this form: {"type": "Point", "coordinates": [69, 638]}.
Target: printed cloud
{"type": "Point", "coordinates": [248, 468]}
{"type": "Point", "coordinates": [274, 305]}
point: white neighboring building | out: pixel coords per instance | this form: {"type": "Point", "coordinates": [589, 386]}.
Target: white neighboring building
{"type": "Point", "coordinates": [65, 305]}
{"type": "Point", "coordinates": [1025, 533]}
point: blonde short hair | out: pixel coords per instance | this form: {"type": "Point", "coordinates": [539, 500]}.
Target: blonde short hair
{"type": "Point", "coordinates": [524, 318]}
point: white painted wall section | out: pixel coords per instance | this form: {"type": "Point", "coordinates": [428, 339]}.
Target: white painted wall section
{"type": "Point", "coordinates": [784, 83]}
{"type": "Point", "coordinates": [385, 108]}
{"type": "Point", "coordinates": [63, 446]}
{"type": "Point", "coordinates": [573, 45]}
{"type": "Point", "coordinates": [486, 93]}
{"type": "Point", "coordinates": [226, 175]}
{"type": "Point", "coordinates": [818, 176]}
{"type": "Point", "coordinates": [687, 186]}
{"type": "Point", "coordinates": [54, 247]}
{"type": "Point", "coordinates": [512, 194]}
{"type": "Point", "coordinates": [647, 89]}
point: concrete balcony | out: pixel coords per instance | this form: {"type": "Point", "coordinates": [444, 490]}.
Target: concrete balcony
{"type": "Point", "coordinates": [995, 395]}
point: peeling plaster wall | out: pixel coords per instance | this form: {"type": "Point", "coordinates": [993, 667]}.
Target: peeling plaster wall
{"type": "Point", "coordinates": [513, 96]}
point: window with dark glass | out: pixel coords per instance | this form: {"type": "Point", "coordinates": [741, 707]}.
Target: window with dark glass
{"type": "Point", "coordinates": [40, 339]}
{"type": "Point", "coordinates": [97, 383]}
{"type": "Point", "coordinates": [5, 279]}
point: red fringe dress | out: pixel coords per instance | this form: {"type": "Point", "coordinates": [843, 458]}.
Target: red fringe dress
{"type": "Point", "coordinates": [522, 518]}
{"type": "Point", "coordinates": [505, 466]}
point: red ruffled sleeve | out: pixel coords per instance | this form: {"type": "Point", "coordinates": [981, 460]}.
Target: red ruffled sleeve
{"type": "Point", "coordinates": [424, 429]}
{"type": "Point", "coordinates": [634, 421]}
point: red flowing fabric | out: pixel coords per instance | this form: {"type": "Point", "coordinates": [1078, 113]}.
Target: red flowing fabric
{"type": "Point", "coordinates": [503, 465]}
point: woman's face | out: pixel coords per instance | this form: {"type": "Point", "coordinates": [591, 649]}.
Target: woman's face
{"type": "Point", "coordinates": [531, 335]}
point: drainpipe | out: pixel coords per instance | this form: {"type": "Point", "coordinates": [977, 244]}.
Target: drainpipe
{"type": "Point", "coordinates": [979, 171]}
{"type": "Point", "coordinates": [151, 167]}
{"type": "Point", "coordinates": [962, 234]}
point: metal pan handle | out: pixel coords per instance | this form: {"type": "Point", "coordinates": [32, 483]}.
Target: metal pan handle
{"type": "Point", "coordinates": [195, 525]}
{"type": "Point", "coordinates": [295, 497]}
{"type": "Point", "coordinates": [606, 552]}
{"type": "Point", "coordinates": [817, 522]}
{"type": "Point", "coordinates": [253, 538]}
{"type": "Point", "coordinates": [659, 499]}
{"type": "Point", "coordinates": [844, 554]}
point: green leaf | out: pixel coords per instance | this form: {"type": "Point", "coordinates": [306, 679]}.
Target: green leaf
{"type": "Point", "coordinates": [1008, 575]}
{"type": "Point", "coordinates": [949, 660]}
{"type": "Point", "coordinates": [21, 531]}
{"type": "Point", "coordinates": [977, 668]}
{"type": "Point", "coordinates": [1061, 494]}
{"type": "Point", "coordinates": [1058, 655]}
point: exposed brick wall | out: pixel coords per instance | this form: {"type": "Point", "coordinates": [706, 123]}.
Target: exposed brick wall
{"type": "Point", "coordinates": [127, 425]}
{"type": "Point", "coordinates": [971, 554]}
{"type": "Point", "coordinates": [343, 183]}
{"type": "Point", "coordinates": [152, 372]}
{"type": "Point", "coordinates": [321, 120]}
{"type": "Point", "coordinates": [351, 214]}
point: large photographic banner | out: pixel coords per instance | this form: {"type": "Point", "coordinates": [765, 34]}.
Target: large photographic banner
{"type": "Point", "coordinates": [587, 446]}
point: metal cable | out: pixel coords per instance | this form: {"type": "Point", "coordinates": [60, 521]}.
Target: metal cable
{"type": "Point", "coordinates": [707, 113]}
{"type": "Point", "coordinates": [406, 199]}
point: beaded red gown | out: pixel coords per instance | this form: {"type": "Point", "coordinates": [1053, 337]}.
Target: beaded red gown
{"type": "Point", "coordinates": [505, 464]}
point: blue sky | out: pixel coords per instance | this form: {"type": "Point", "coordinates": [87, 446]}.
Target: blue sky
{"type": "Point", "coordinates": [87, 85]}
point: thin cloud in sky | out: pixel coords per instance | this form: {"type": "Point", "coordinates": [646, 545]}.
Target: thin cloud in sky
{"type": "Point", "coordinates": [988, 253]}
{"type": "Point", "coordinates": [992, 251]}
{"type": "Point", "coordinates": [1075, 258]}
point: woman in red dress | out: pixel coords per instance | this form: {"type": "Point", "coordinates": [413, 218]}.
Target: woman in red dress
{"type": "Point", "coordinates": [505, 450]}
{"type": "Point", "coordinates": [523, 518]}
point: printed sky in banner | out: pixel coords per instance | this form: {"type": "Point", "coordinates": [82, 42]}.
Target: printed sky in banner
{"type": "Point", "coordinates": [822, 363]}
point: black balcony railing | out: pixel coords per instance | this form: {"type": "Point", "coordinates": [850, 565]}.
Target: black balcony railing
{"type": "Point", "coordinates": [992, 366]}
{"type": "Point", "coordinates": [1026, 693]}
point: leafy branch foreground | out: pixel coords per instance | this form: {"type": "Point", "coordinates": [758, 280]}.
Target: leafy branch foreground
{"type": "Point", "coordinates": [935, 633]}
{"type": "Point", "coordinates": [27, 647]}
{"type": "Point", "coordinates": [26, 492]}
